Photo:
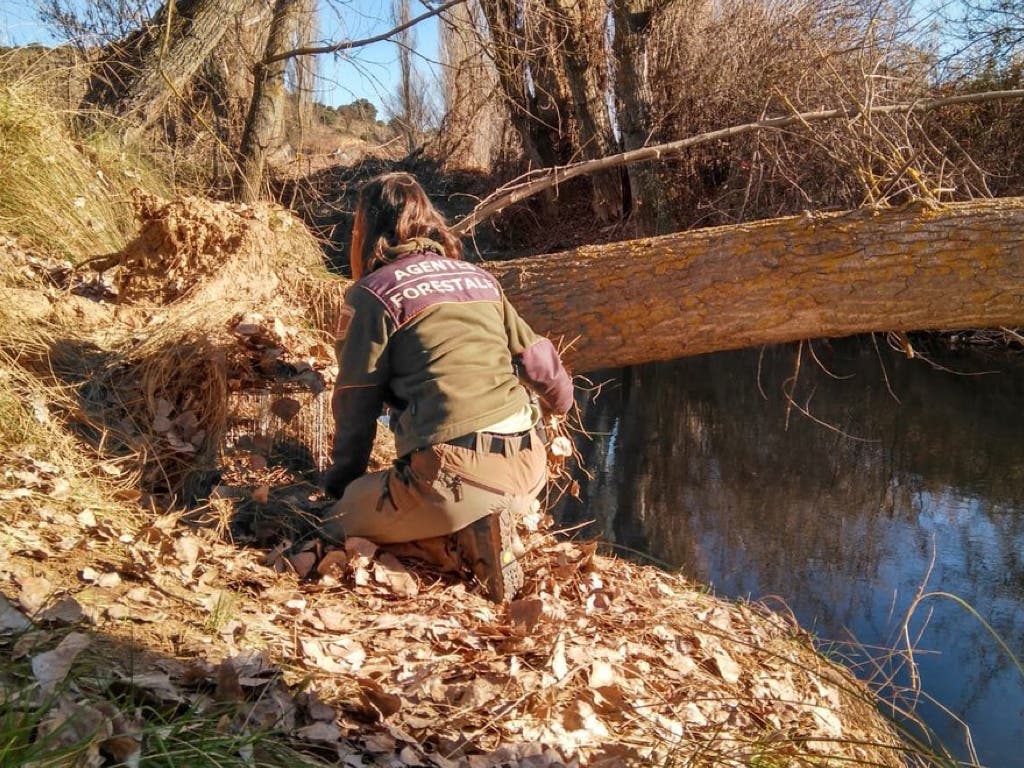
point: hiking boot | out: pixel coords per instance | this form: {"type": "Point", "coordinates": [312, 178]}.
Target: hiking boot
{"type": "Point", "coordinates": [488, 547]}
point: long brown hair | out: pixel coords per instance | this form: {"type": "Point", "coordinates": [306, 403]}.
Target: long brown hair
{"type": "Point", "coordinates": [392, 209]}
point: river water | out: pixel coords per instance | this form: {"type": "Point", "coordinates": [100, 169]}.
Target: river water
{"type": "Point", "coordinates": [900, 477]}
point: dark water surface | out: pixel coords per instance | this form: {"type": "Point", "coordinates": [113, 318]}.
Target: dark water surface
{"type": "Point", "coordinates": [696, 467]}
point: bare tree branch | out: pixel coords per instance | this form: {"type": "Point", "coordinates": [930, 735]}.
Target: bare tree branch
{"type": "Point", "coordinates": [346, 45]}
{"type": "Point", "coordinates": [539, 180]}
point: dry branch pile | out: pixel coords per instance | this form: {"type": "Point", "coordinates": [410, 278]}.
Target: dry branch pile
{"type": "Point", "coordinates": [370, 657]}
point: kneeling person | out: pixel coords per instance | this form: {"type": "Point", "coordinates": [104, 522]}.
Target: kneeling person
{"type": "Point", "coordinates": [434, 338]}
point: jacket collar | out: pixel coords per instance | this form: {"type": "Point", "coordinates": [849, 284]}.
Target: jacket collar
{"type": "Point", "coordinates": [408, 247]}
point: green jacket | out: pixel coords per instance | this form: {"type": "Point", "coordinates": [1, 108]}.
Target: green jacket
{"type": "Point", "coordinates": [436, 340]}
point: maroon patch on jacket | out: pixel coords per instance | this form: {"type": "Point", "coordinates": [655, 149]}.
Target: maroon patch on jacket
{"type": "Point", "coordinates": [422, 280]}
{"type": "Point", "coordinates": [543, 368]}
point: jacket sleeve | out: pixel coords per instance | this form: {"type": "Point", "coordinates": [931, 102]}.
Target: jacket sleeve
{"type": "Point", "coordinates": [538, 362]}
{"type": "Point", "coordinates": [359, 390]}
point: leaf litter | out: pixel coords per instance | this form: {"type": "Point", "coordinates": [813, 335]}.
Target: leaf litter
{"type": "Point", "coordinates": [415, 667]}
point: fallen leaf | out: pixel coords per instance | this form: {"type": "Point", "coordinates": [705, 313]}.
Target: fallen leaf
{"type": "Point", "coordinates": [725, 666]}
{"type": "Point", "coordinates": [410, 756]}
{"type": "Point", "coordinates": [31, 479]}
{"type": "Point", "coordinates": [74, 727]}
{"type": "Point", "coordinates": [188, 549]}
{"type": "Point", "coordinates": [40, 411]}
{"type": "Point", "coordinates": [320, 732]}
{"type": "Point", "coordinates": [473, 695]}
{"type": "Point", "coordinates": [360, 576]}
{"type": "Point", "coordinates": [11, 619]}
{"type": "Point", "coordinates": [109, 580]}
{"type": "Point", "coordinates": [66, 611]}
{"type": "Point", "coordinates": [525, 614]}
{"type": "Point", "coordinates": [694, 716]}
{"type": "Point", "coordinates": [50, 668]}
{"type": "Point", "coordinates": [317, 710]}
{"type": "Point", "coordinates": [332, 562]}
{"type": "Point", "coordinates": [302, 563]}
{"type": "Point", "coordinates": [395, 576]}
{"type": "Point", "coordinates": [156, 684]}
{"type": "Point", "coordinates": [828, 722]}
{"type": "Point", "coordinates": [34, 592]}
{"type": "Point", "coordinates": [383, 703]}
{"type": "Point", "coordinates": [381, 743]}
{"type": "Point", "coordinates": [357, 548]}
{"type": "Point", "coordinates": [349, 651]}
{"type": "Point", "coordinates": [61, 488]}
{"type": "Point", "coordinates": [125, 750]}
{"type": "Point", "coordinates": [558, 664]}
{"type": "Point", "coordinates": [335, 619]}
{"type": "Point", "coordinates": [228, 687]}
{"type": "Point", "coordinates": [296, 605]}
{"type": "Point", "coordinates": [314, 652]}
{"type": "Point", "coordinates": [601, 674]}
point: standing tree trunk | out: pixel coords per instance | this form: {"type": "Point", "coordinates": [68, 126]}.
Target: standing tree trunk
{"type": "Point", "coordinates": [141, 75]}
{"type": "Point", "coordinates": [552, 65]}
{"type": "Point", "coordinates": [264, 126]}
{"type": "Point", "coordinates": [407, 107]}
{"type": "Point", "coordinates": [469, 135]}
{"type": "Point", "coordinates": [511, 51]}
{"type": "Point", "coordinates": [580, 48]}
{"type": "Point", "coordinates": [633, 108]}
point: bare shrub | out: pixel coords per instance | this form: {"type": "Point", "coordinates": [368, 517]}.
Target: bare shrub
{"type": "Point", "coordinates": [988, 138]}
{"type": "Point", "coordinates": [715, 65]}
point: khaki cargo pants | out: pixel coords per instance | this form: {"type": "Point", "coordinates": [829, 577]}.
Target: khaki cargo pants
{"type": "Point", "coordinates": [439, 490]}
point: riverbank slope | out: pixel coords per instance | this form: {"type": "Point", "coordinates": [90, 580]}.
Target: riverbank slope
{"type": "Point", "coordinates": [123, 392]}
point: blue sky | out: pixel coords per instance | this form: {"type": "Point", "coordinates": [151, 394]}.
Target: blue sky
{"type": "Point", "coordinates": [370, 72]}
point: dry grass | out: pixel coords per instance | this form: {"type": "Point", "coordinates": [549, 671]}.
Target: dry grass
{"type": "Point", "coordinates": [67, 197]}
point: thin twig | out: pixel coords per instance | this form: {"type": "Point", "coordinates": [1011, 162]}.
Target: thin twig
{"type": "Point", "coordinates": [347, 45]}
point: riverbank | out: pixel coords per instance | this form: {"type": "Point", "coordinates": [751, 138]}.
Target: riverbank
{"type": "Point", "coordinates": [125, 393]}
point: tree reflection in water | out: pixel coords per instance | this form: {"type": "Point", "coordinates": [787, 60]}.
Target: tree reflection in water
{"type": "Point", "coordinates": [694, 466]}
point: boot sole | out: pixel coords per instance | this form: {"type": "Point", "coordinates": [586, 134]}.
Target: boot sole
{"type": "Point", "coordinates": [488, 546]}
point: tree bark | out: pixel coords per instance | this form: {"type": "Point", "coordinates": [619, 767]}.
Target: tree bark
{"type": "Point", "coordinates": [633, 110]}
{"type": "Point", "coordinates": [470, 131]}
{"type": "Point", "coordinates": [264, 125]}
{"type": "Point", "coordinates": [581, 26]}
{"type": "Point", "coordinates": [140, 76]}
{"type": "Point", "coordinates": [914, 268]}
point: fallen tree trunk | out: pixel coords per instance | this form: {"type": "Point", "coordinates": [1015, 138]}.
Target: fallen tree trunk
{"type": "Point", "coordinates": [911, 268]}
